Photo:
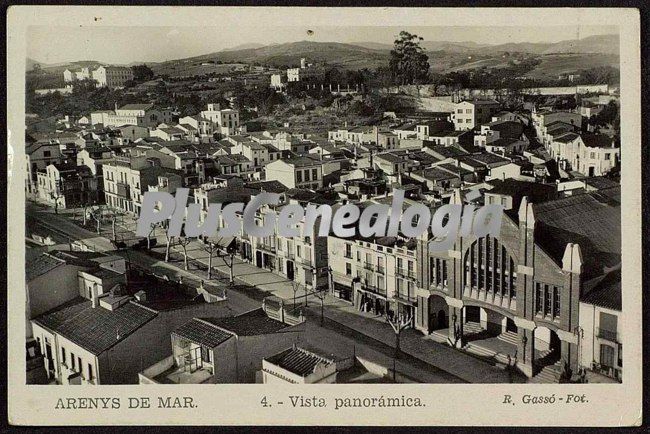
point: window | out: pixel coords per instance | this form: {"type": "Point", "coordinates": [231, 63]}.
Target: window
{"type": "Point", "coordinates": [607, 155]}
{"type": "Point", "coordinates": [538, 298]}
{"type": "Point", "coordinates": [348, 269]}
{"type": "Point", "coordinates": [299, 176]}
{"type": "Point", "coordinates": [63, 359]}
{"type": "Point", "coordinates": [606, 355]}
{"type": "Point", "coordinates": [47, 153]}
{"type": "Point", "coordinates": [380, 282]}
{"type": "Point", "coordinates": [72, 360]}
{"type": "Point", "coordinates": [314, 174]}
{"type": "Point", "coordinates": [307, 175]}
{"type": "Point", "coordinates": [90, 371]}
{"type": "Point", "coordinates": [547, 300]}
{"type": "Point", "coordinates": [607, 326]}
{"type": "Point", "coordinates": [556, 302]}
{"type": "Point", "coordinates": [205, 354]}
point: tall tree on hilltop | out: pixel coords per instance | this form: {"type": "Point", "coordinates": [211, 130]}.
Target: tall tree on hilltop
{"type": "Point", "coordinates": [408, 63]}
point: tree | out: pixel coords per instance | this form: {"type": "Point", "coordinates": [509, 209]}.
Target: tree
{"type": "Point", "coordinates": [223, 250]}
{"type": "Point", "coordinates": [55, 196]}
{"type": "Point", "coordinates": [408, 62]}
{"type": "Point", "coordinates": [210, 248]}
{"type": "Point", "coordinates": [295, 287]}
{"type": "Point", "coordinates": [151, 232]}
{"type": "Point", "coordinates": [183, 241]}
{"type": "Point", "coordinates": [142, 73]}
{"type": "Point", "coordinates": [97, 216]}
{"type": "Point", "coordinates": [169, 240]}
{"type": "Point", "coordinates": [398, 323]}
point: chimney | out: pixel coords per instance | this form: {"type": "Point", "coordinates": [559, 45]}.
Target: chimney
{"type": "Point", "coordinates": [94, 296]}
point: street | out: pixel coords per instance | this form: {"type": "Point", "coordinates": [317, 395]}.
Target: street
{"type": "Point", "coordinates": [344, 331]}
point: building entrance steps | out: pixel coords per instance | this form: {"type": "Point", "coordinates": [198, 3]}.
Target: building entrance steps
{"type": "Point", "coordinates": [548, 374]}
{"type": "Point", "coordinates": [509, 337]}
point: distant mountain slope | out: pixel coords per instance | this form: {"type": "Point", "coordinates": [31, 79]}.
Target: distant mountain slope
{"type": "Point", "coordinates": [601, 44]}
{"type": "Point", "coordinates": [289, 54]}
{"type": "Point", "coordinates": [249, 46]}
{"type": "Point", "coordinates": [604, 44]}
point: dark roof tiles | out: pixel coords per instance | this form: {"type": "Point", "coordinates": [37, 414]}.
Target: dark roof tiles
{"type": "Point", "coordinates": [299, 361]}
{"type": "Point", "coordinates": [95, 329]}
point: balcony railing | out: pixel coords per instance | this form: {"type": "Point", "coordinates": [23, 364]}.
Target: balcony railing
{"type": "Point", "coordinates": [123, 189]}
{"type": "Point", "coordinates": [410, 298]}
{"type": "Point", "coordinates": [348, 255]}
{"type": "Point", "coordinates": [405, 273]}
{"type": "Point", "coordinates": [266, 247]}
{"type": "Point", "coordinates": [381, 269]}
{"type": "Point", "coordinates": [608, 335]}
{"type": "Point", "coordinates": [374, 289]}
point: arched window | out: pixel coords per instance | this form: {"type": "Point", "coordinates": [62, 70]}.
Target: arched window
{"type": "Point", "coordinates": [488, 266]}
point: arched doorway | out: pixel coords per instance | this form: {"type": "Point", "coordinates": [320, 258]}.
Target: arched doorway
{"type": "Point", "coordinates": [443, 319]}
{"type": "Point", "coordinates": [547, 346]}
{"type": "Point", "coordinates": [438, 313]}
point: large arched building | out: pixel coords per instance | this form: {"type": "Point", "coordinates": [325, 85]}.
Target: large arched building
{"type": "Point", "coordinates": [517, 296]}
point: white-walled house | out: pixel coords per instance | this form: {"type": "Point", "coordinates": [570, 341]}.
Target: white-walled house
{"type": "Point", "coordinates": [296, 172]}
{"type": "Point", "coordinates": [601, 329]}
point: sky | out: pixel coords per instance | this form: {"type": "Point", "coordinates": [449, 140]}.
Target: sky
{"type": "Point", "coordinates": [124, 45]}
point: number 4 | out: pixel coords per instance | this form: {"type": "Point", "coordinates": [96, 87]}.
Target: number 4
{"type": "Point", "coordinates": [264, 402]}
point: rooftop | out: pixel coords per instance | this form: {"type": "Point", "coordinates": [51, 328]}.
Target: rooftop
{"type": "Point", "coordinates": [95, 329]}
{"type": "Point", "coordinates": [202, 333]}
{"type": "Point", "coordinates": [593, 220]}
{"type": "Point", "coordinates": [252, 323]}
{"type": "Point", "coordinates": [41, 265]}
{"type": "Point", "coordinates": [299, 361]}
{"type": "Point", "coordinates": [607, 293]}
{"type": "Point", "coordinates": [145, 106]}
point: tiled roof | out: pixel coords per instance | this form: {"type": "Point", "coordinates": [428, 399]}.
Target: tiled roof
{"type": "Point", "coordinates": [298, 361]}
{"type": "Point", "coordinates": [507, 129]}
{"type": "Point", "coordinates": [268, 186]}
{"type": "Point", "coordinates": [566, 137]}
{"type": "Point", "coordinates": [255, 322]}
{"type": "Point", "coordinates": [136, 107]}
{"type": "Point", "coordinates": [597, 140]}
{"type": "Point", "coordinates": [600, 182]}
{"type": "Point", "coordinates": [41, 265]}
{"type": "Point", "coordinates": [435, 174]}
{"type": "Point", "coordinates": [95, 329]}
{"type": "Point", "coordinates": [447, 151]}
{"type": "Point", "coordinates": [593, 220]}
{"type": "Point", "coordinates": [202, 333]}
{"type": "Point", "coordinates": [488, 159]}
{"type": "Point", "coordinates": [607, 293]}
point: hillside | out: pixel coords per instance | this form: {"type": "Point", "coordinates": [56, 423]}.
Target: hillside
{"type": "Point", "coordinates": [604, 44]}
{"type": "Point", "coordinates": [289, 54]}
{"type": "Point", "coordinates": [554, 58]}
